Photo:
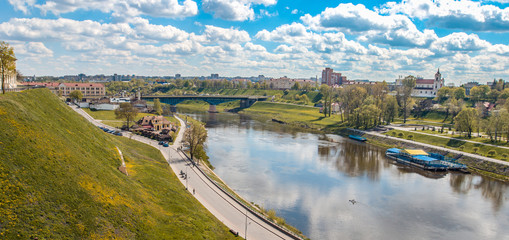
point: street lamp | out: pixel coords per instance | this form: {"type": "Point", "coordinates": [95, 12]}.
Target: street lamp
{"type": "Point", "coordinates": [245, 233]}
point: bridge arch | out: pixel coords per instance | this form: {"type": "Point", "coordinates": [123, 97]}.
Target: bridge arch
{"type": "Point", "coordinates": [245, 101]}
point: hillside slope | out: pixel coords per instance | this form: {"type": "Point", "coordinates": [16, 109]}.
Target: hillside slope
{"type": "Point", "coordinates": [59, 179]}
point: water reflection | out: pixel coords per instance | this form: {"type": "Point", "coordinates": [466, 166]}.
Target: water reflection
{"type": "Point", "coordinates": [310, 178]}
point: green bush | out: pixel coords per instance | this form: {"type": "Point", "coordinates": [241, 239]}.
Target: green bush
{"type": "Point", "coordinates": [475, 149]}
{"type": "Point", "coordinates": [492, 152]}
{"type": "Point", "coordinates": [410, 136]}
{"type": "Point", "coordinates": [401, 135]}
{"type": "Point", "coordinates": [504, 155]}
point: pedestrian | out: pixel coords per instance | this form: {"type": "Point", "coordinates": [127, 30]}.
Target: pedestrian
{"type": "Point", "coordinates": [193, 191]}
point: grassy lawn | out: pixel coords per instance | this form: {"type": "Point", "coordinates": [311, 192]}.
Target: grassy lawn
{"type": "Point", "coordinates": [297, 115]}
{"type": "Point", "coordinates": [452, 144]}
{"type": "Point", "coordinates": [462, 136]}
{"type": "Point", "coordinates": [203, 106]}
{"type": "Point", "coordinates": [60, 180]}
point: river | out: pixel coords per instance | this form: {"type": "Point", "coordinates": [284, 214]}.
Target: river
{"type": "Point", "coordinates": [310, 180]}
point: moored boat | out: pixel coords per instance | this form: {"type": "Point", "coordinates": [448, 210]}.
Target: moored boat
{"type": "Point", "coordinates": [358, 138]}
{"type": "Point", "coordinates": [425, 160]}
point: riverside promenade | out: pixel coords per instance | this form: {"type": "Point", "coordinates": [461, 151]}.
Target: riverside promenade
{"type": "Point", "coordinates": [235, 215]}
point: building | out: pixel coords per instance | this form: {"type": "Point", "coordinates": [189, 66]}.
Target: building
{"type": "Point", "coordinates": [468, 86]}
{"type": "Point", "coordinates": [10, 82]}
{"type": "Point", "coordinates": [214, 76]}
{"type": "Point", "coordinates": [64, 89]}
{"type": "Point", "coordinates": [331, 78]}
{"type": "Point", "coordinates": [287, 83]}
{"type": "Point", "coordinates": [425, 87]}
{"type": "Point", "coordinates": [157, 123]}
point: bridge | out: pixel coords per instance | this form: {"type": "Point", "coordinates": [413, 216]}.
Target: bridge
{"type": "Point", "coordinates": [245, 101]}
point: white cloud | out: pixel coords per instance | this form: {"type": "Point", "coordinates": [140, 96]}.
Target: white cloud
{"type": "Point", "coordinates": [295, 11]}
{"type": "Point", "coordinates": [254, 47]}
{"type": "Point", "coordinates": [31, 49]}
{"type": "Point", "coordinates": [394, 30]}
{"type": "Point", "coordinates": [217, 34]}
{"type": "Point", "coordinates": [459, 42]}
{"type": "Point", "coordinates": [464, 14]}
{"type": "Point", "coordinates": [234, 10]}
{"type": "Point", "coordinates": [22, 5]}
{"type": "Point", "coordinates": [119, 8]}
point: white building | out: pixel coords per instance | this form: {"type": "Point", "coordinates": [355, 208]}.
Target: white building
{"type": "Point", "coordinates": [9, 82]}
{"type": "Point", "coordinates": [287, 83]}
{"type": "Point", "coordinates": [425, 87]}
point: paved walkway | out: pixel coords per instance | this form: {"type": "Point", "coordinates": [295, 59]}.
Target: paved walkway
{"type": "Point", "coordinates": [435, 147]}
{"type": "Point", "coordinates": [436, 135]}
{"type": "Point", "coordinates": [225, 208]}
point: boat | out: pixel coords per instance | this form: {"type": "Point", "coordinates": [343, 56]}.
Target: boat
{"type": "Point", "coordinates": [358, 138]}
{"type": "Point", "coordinates": [424, 160]}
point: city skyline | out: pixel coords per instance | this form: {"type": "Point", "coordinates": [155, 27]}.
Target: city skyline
{"type": "Point", "coordinates": [377, 40]}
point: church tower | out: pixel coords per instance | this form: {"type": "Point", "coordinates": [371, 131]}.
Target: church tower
{"type": "Point", "coordinates": [439, 81]}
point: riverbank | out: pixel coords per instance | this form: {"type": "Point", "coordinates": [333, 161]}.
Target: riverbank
{"type": "Point", "coordinates": [310, 119]}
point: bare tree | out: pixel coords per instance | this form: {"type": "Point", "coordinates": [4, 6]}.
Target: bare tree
{"type": "Point", "coordinates": [126, 111]}
{"type": "Point", "coordinates": [195, 136]}
{"type": "Point", "coordinates": [408, 85]}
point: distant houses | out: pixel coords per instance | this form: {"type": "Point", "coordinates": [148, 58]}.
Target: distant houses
{"type": "Point", "coordinates": [64, 89]}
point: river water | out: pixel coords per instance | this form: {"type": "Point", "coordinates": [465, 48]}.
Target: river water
{"type": "Point", "coordinates": [309, 179]}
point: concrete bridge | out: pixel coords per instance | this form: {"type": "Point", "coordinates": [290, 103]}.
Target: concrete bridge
{"type": "Point", "coordinates": [245, 101]}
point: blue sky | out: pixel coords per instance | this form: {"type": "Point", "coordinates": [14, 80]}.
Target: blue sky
{"type": "Point", "coordinates": [374, 40]}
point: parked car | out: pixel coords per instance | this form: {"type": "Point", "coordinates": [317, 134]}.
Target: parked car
{"type": "Point", "coordinates": [166, 144]}
{"type": "Point", "coordinates": [161, 142]}
{"type": "Point", "coordinates": [118, 133]}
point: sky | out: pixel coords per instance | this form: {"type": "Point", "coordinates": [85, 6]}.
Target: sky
{"type": "Point", "coordinates": [376, 40]}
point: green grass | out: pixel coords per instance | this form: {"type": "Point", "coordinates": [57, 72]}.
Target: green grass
{"type": "Point", "coordinates": [203, 106]}
{"type": "Point", "coordinates": [452, 144]}
{"type": "Point", "coordinates": [296, 115]}
{"type": "Point", "coordinates": [59, 180]}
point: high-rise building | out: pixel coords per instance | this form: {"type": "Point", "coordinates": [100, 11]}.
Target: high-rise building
{"type": "Point", "coordinates": [331, 78]}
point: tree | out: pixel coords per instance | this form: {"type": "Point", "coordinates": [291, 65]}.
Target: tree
{"type": "Point", "coordinates": [195, 136]}
{"type": "Point", "coordinates": [390, 110]}
{"type": "Point", "coordinates": [409, 83]}
{"type": "Point", "coordinates": [443, 94]}
{"type": "Point", "coordinates": [459, 93]}
{"type": "Point", "coordinates": [157, 106]}
{"type": "Point", "coordinates": [296, 86]}
{"type": "Point", "coordinates": [126, 111]}
{"type": "Point", "coordinates": [479, 93]}
{"type": "Point", "coordinates": [7, 62]}
{"type": "Point", "coordinates": [466, 120]}
{"type": "Point", "coordinates": [76, 95]}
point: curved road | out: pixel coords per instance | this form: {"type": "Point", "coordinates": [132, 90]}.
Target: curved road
{"type": "Point", "coordinates": [233, 214]}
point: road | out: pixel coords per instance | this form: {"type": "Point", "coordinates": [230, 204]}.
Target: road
{"type": "Point", "coordinates": [475, 156]}
{"type": "Point", "coordinates": [233, 214]}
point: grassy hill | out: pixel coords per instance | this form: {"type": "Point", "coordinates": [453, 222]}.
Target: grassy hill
{"type": "Point", "coordinates": [59, 180]}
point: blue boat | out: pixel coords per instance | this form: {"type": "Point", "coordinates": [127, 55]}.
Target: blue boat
{"type": "Point", "coordinates": [425, 160]}
{"type": "Point", "coordinates": [358, 138]}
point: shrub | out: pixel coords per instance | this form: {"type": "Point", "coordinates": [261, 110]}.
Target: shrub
{"type": "Point", "coordinates": [393, 134]}
{"type": "Point", "coordinates": [504, 155]}
{"type": "Point", "coordinates": [410, 136]}
{"type": "Point", "coordinates": [271, 214]}
{"type": "Point", "coordinates": [433, 129]}
{"type": "Point", "coordinates": [475, 149]}
{"type": "Point", "coordinates": [401, 135]}
{"type": "Point", "coordinates": [462, 147]}
{"type": "Point", "coordinates": [492, 152]}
